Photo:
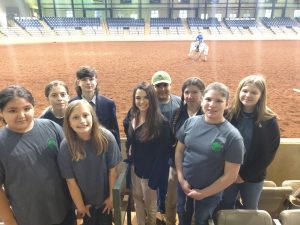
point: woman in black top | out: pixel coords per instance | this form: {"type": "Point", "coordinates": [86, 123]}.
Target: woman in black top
{"type": "Point", "coordinates": [148, 141]}
{"type": "Point", "coordinates": [258, 126]}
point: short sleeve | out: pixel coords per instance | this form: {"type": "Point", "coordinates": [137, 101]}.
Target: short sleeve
{"type": "Point", "coordinates": [2, 174]}
{"type": "Point", "coordinates": [113, 154]}
{"type": "Point", "coordinates": [181, 133]}
{"type": "Point", "coordinates": [235, 150]}
{"type": "Point", "coordinates": [65, 161]}
{"type": "Point", "coordinates": [58, 131]}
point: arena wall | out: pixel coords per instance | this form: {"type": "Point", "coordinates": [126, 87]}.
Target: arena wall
{"type": "Point", "coordinates": [286, 164]}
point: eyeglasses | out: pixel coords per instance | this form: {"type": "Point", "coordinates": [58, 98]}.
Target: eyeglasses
{"type": "Point", "coordinates": [161, 85]}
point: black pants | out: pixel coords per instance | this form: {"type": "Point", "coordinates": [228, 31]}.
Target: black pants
{"type": "Point", "coordinates": [97, 217]}
{"type": "Point", "coordinates": [70, 219]}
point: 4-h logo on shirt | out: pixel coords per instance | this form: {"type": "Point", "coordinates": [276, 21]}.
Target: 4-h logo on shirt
{"type": "Point", "coordinates": [216, 145]}
{"type": "Point", "coordinates": [52, 143]}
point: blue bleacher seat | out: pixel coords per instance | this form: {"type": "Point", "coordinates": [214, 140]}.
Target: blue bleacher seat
{"type": "Point", "coordinates": [72, 22]}
{"type": "Point", "coordinates": [28, 22]}
{"type": "Point", "coordinates": [206, 23]}
{"type": "Point", "coordinates": [165, 22]}
{"type": "Point", "coordinates": [125, 22]}
{"type": "Point", "coordinates": [279, 22]}
{"type": "Point", "coordinates": [240, 22]}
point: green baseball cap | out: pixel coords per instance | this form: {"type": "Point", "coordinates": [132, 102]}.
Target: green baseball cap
{"type": "Point", "coordinates": [161, 77]}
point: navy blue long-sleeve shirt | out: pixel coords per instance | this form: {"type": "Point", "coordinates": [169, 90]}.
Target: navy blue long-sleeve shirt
{"type": "Point", "coordinates": [149, 156]}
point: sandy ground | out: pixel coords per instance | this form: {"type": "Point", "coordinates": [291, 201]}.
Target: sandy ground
{"type": "Point", "coordinates": [121, 65]}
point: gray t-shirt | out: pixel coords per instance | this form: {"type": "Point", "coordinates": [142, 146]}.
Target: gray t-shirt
{"type": "Point", "coordinates": [30, 175]}
{"type": "Point", "coordinates": [207, 147]}
{"type": "Point", "coordinates": [167, 109]}
{"type": "Point", "coordinates": [91, 173]}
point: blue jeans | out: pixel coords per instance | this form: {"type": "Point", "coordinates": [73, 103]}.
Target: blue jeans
{"type": "Point", "coordinates": [185, 207]}
{"type": "Point", "coordinates": [248, 192]}
{"type": "Point", "coordinates": [205, 208]}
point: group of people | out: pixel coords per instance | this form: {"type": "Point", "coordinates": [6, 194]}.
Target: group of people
{"type": "Point", "coordinates": [189, 155]}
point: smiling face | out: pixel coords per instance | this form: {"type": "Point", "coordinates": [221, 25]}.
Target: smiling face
{"type": "Point", "coordinates": [58, 98]}
{"type": "Point", "coordinates": [141, 100]}
{"type": "Point", "coordinates": [81, 121]}
{"type": "Point", "coordinates": [213, 105]}
{"type": "Point", "coordinates": [249, 97]}
{"type": "Point", "coordinates": [18, 115]}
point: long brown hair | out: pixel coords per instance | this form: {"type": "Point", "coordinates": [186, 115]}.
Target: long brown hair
{"type": "Point", "coordinates": [76, 144]}
{"type": "Point", "coordinates": [153, 114]}
{"type": "Point", "coordinates": [261, 109]}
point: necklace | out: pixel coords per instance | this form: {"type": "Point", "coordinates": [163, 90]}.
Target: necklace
{"type": "Point", "coordinates": [57, 117]}
{"type": "Point", "coordinates": [192, 112]}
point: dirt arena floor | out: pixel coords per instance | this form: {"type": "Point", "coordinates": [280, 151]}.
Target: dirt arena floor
{"type": "Point", "coordinates": [121, 65]}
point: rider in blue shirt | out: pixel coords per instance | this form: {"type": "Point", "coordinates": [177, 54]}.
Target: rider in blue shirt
{"type": "Point", "coordinates": [199, 37]}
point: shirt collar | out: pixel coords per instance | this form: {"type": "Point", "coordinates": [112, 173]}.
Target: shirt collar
{"type": "Point", "coordinates": [93, 99]}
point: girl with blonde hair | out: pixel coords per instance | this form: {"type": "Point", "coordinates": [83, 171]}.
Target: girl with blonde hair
{"type": "Point", "coordinates": [259, 128]}
{"type": "Point", "coordinates": [87, 159]}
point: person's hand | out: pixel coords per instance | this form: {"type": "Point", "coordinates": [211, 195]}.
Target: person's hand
{"type": "Point", "coordinates": [185, 186]}
{"type": "Point", "coordinates": [84, 211]}
{"type": "Point", "coordinates": [239, 180]}
{"type": "Point", "coordinates": [196, 194]}
{"type": "Point", "coordinates": [108, 206]}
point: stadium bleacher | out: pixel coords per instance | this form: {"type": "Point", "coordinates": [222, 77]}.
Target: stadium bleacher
{"type": "Point", "coordinates": [117, 26]}
{"type": "Point", "coordinates": [240, 22]}
{"type": "Point", "coordinates": [205, 23]}
{"type": "Point", "coordinates": [279, 22]}
{"type": "Point", "coordinates": [66, 26]}
{"type": "Point", "coordinates": [76, 26]}
{"type": "Point", "coordinates": [72, 22]}
{"type": "Point", "coordinates": [196, 25]}
{"type": "Point", "coordinates": [32, 25]}
{"type": "Point", "coordinates": [166, 26]}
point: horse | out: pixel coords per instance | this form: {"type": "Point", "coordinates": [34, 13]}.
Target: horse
{"type": "Point", "coordinates": [198, 50]}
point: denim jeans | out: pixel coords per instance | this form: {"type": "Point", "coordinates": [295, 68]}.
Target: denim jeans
{"type": "Point", "coordinates": [185, 207]}
{"type": "Point", "coordinates": [98, 217]}
{"type": "Point", "coordinates": [248, 192]}
{"type": "Point", "coordinates": [205, 208]}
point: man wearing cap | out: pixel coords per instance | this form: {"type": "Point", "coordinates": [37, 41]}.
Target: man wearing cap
{"type": "Point", "coordinates": [105, 108]}
{"type": "Point", "coordinates": [168, 104]}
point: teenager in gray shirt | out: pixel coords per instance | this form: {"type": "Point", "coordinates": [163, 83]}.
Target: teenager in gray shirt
{"type": "Point", "coordinates": [87, 159]}
{"type": "Point", "coordinates": [34, 192]}
{"type": "Point", "coordinates": [208, 153]}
